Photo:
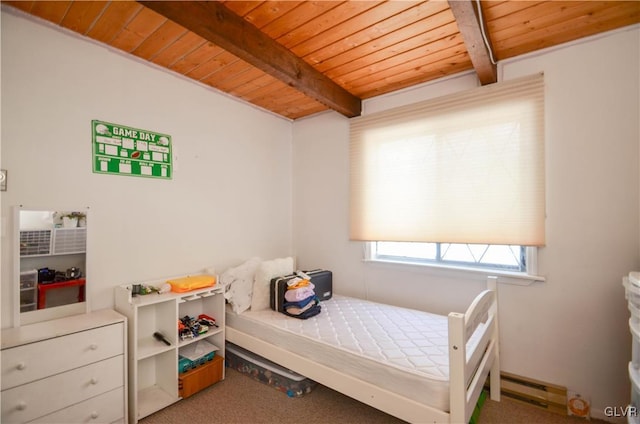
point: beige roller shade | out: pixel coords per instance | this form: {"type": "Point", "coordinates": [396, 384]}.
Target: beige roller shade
{"type": "Point", "coordinates": [464, 168]}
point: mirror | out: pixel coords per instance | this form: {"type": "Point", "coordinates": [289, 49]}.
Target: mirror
{"type": "Point", "coordinates": [50, 264]}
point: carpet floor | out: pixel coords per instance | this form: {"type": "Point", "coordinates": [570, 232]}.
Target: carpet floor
{"type": "Point", "coordinates": [240, 399]}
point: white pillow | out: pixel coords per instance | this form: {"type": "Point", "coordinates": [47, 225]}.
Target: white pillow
{"type": "Point", "coordinates": [238, 283]}
{"type": "Point", "coordinates": [265, 272]}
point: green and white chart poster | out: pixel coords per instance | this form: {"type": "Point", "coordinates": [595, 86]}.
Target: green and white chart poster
{"type": "Point", "coordinates": [122, 150]}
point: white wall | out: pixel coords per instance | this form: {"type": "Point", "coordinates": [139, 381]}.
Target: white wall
{"type": "Point", "coordinates": [232, 191]}
{"type": "Point", "coordinates": [229, 199]}
{"type": "Point", "coordinates": [571, 330]}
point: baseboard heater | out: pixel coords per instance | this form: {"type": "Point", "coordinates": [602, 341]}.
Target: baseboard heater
{"type": "Point", "coordinates": [547, 396]}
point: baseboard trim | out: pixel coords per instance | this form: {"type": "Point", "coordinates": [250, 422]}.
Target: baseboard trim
{"type": "Point", "coordinates": [533, 392]}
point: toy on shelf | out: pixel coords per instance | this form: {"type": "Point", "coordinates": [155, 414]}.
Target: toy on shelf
{"type": "Point", "coordinates": [144, 289]}
{"type": "Point", "coordinates": [190, 327]}
{"type": "Point", "coordinates": [205, 319]}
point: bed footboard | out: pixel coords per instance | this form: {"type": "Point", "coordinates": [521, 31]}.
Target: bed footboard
{"type": "Point", "coordinates": [473, 353]}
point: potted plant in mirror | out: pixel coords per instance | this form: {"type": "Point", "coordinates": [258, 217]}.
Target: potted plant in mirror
{"type": "Point", "coordinates": [82, 219]}
{"type": "Point", "coordinates": [73, 219]}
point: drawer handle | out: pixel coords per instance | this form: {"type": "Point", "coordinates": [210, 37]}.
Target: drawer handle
{"type": "Point", "coordinates": [94, 415]}
{"type": "Point", "coordinates": [94, 380]}
{"type": "Point", "coordinates": [22, 405]}
{"type": "Point", "coordinates": [21, 366]}
{"type": "Point", "coordinates": [93, 346]}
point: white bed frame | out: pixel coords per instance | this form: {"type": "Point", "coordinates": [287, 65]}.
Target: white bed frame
{"type": "Point", "coordinates": [468, 371]}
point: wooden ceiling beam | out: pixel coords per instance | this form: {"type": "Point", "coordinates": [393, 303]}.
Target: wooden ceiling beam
{"type": "Point", "coordinates": [216, 23]}
{"type": "Point", "coordinates": [468, 21]}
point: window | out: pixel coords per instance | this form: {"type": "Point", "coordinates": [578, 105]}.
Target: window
{"type": "Point", "coordinates": [461, 170]}
{"type": "Point", "coordinates": [484, 256]}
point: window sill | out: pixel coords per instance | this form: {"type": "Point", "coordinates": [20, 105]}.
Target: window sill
{"type": "Point", "coordinates": [504, 277]}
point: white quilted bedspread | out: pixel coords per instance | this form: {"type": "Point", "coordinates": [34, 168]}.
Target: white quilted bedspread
{"type": "Point", "coordinates": [400, 349]}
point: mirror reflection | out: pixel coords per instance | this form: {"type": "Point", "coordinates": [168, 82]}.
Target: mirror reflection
{"type": "Point", "coordinates": [52, 258]}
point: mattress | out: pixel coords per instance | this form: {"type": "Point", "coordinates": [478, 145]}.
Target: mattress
{"type": "Point", "coordinates": [402, 350]}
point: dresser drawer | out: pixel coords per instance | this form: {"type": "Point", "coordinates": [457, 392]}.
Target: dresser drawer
{"type": "Point", "coordinates": [34, 361]}
{"type": "Point", "coordinates": [106, 408]}
{"type": "Point", "coordinates": [34, 400]}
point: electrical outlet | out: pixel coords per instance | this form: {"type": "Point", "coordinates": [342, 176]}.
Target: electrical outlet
{"type": "Point", "coordinates": [3, 180]}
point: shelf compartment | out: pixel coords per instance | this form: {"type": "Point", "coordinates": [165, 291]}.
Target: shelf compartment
{"type": "Point", "coordinates": [156, 383]}
{"type": "Point", "coordinates": [152, 399]}
{"type": "Point", "coordinates": [150, 346]}
{"type": "Point", "coordinates": [158, 317]}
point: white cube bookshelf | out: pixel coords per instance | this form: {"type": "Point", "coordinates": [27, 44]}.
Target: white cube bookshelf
{"type": "Point", "coordinates": [153, 365]}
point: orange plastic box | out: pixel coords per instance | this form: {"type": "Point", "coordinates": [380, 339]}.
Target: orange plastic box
{"type": "Point", "coordinates": [185, 284]}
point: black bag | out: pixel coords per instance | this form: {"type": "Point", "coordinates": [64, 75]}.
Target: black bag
{"type": "Point", "coordinates": [311, 309]}
{"type": "Point", "coordinates": [321, 279]}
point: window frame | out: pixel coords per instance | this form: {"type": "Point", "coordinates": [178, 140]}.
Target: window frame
{"type": "Point", "coordinates": [449, 270]}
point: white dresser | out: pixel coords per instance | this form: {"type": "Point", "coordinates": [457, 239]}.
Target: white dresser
{"type": "Point", "coordinates": [68, 370]}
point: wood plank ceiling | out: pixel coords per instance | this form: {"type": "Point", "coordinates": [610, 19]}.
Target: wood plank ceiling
{"type": "Point", "coordinates": [297, 58]}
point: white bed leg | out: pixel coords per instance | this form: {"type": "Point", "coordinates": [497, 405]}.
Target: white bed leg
{"type": "Point", "coordinates": [492, 284]}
